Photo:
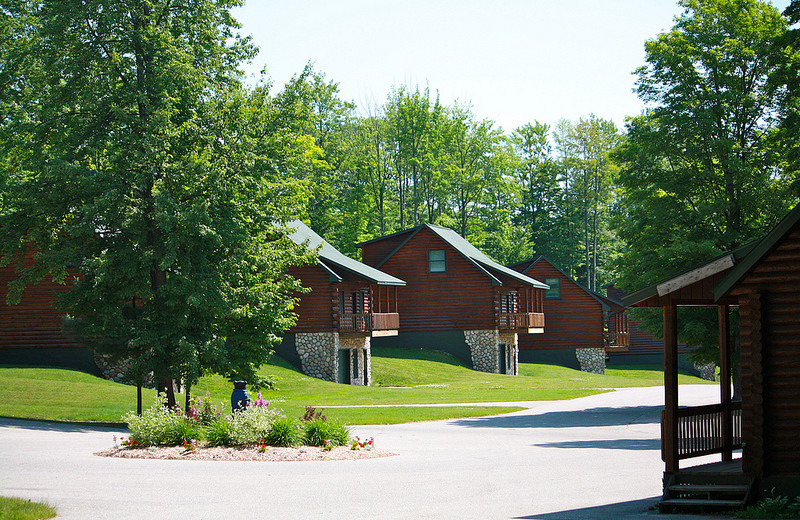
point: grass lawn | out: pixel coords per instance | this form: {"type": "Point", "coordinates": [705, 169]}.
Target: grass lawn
{"type": "Point", "coordinates": [21, 509]}
{"type": "Point", "coordinates": [400, 377]}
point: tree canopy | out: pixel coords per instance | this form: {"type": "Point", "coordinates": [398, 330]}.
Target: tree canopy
{"type": "Point", "coordinates": [143, 173]}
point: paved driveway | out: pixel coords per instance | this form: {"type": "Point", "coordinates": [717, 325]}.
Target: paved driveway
{"type": "Point", "coordinates": [594, 457]}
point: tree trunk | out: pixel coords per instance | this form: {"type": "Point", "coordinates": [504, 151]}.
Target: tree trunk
{"type": "Point", "coordinates": [165, 386]}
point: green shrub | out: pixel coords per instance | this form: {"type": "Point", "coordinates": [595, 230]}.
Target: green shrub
{"type": "Point", "coordinates": [252, 424]}
{"type": "Point", "coordinates": [773, 507]}
{"type": "Point", "coordinates": [318, 431]}
{"type": "Point", "coordinates": [285, 431]}
{"type": "Point", "coordinates": [159, 425]}
{"type": "Point", "coordinates": [218, 433]}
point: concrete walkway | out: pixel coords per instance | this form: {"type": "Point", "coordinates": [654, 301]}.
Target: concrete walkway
{"type": "Point", "coordinates": [593, 457]}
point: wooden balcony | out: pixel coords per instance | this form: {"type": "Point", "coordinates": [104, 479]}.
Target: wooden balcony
{"type": "Point", "coordinates": [376, 324]}
{"type": "Point", "coordinates": [531, 322]}
{"type": "Point", "coordinates": [616, 341]}
{"type": "Point", "coordinates": [701, 430]}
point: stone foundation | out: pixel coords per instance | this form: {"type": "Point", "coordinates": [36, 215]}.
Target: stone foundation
{"type": "Point", "coordinates": [318, 354]}
{"type": "Point", "coordinates": [484, 348]}
{"type": "Point", "coordinates": [117, 371]}
{"type": "Point", "coordinates": [510, 340]}
{"type": "Point", "coordinates": [707, 371]}
{"type": "Point", "coordinates": [592, 360]}
{"type": "Point", "coordinates": [359, 346]}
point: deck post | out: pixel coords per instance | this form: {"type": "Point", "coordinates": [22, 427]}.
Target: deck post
{"type": "Point", "coordinates": [669, 438]}
{"type": "Point", "coordinates": [725, 381]}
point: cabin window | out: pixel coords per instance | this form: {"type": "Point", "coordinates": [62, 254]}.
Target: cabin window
{"type": "Point", "coordinates": [436, 262]}
{"type": "Point", "coordinates": [555, 288]}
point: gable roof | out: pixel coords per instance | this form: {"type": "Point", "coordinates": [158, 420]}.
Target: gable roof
{"type": "Point", "coordinates": [758, 252]}
{"type": "Point", "coordinates": [330, 258]}
{"type": "Point", "coordinates": [467, 250]}
{"type": "Point", "coordinates": [606, 302]}
{"type": "Point", "coordinates": [718, 264]}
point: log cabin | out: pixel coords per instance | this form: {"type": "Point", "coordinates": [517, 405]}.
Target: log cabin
{"type": "Point", "coordinates": [581, 322]}
{"type": "Point", "coordinates": [30, 331]}
{"type": "Point", "coordinates": [458, 299]}
{"type": "Point", "coordinates": [762, 280]}
{"type": "Point", "coordinates": [349, 303]}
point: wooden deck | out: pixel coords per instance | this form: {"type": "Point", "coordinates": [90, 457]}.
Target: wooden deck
{"type": "Point", "coordinates": [729, 467]}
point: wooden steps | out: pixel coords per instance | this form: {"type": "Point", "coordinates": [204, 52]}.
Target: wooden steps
{"type": "Point", "coordinates": [706, 491]}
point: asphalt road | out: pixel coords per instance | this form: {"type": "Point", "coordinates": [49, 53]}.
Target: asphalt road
{"type": "Point", "coordinates": [594, 457]}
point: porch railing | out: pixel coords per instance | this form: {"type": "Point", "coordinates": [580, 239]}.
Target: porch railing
{"type": "Point", "coordinates": [522, 320]}
{"type": "Point", "coordinates": [617, 339]}
{"type": "Point", "coordinates": [700, 430]}
{"type": "Point", "coordinates": [369, 322]}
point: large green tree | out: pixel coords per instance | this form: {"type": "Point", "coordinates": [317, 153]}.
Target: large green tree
{"type": "Point", "coordinates": [141, 161]}
{"type": "Point", "coordinates": [702, 173]}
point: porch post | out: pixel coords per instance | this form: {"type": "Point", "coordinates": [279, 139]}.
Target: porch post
{"type": "Point", "coordinates": [725, 381]}
{"type": "Point", "coordinates": [669, 431]}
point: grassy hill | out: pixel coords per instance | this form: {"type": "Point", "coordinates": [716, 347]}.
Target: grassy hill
{"type": "Point", "coordinates": [400, 377]}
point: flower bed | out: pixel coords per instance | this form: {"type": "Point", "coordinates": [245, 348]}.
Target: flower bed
{"type": "Point", "coordinates": [254, 433]}
{"type": "Point", "coordinates": [251, 453]}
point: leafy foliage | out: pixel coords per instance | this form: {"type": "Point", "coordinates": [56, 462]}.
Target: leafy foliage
{"type": "Point", "coordinates": [285, 431]}
{"type": "Point", "coordinates": [138, 159]}
{"type": "Point", "coordinates": [160, 425]}
{"type": "Point", "coordinates": [317, 431]}
{"type": "Point", "coordinates": [252, 424]}
{"type": "Point", "coordinates": [773, 507]}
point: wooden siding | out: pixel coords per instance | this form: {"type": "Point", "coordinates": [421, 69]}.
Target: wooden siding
{"type": "Point", "coordinates": [314, 310]}
{"type": "Point", "coordinates": [461, 298]}
{"type": "Point", "coordinates": [573, 321]}
{"type": "Point", "coordinates": [34, 322]}
{"type": "Point", "coordinates": [769, 300]}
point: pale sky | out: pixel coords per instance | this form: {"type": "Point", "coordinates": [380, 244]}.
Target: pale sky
{"type": "Point", "coordinates": [514, 61]}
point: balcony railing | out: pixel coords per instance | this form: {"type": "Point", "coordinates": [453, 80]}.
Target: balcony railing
{"type": "Point", "coordinates": [521, 320]}
{"type": "Point", "coordinates": [700, 430]}
{"type": "Point", "coordinates": [369, 322]}
{"type": "Point", "coordinates": [617, 340]}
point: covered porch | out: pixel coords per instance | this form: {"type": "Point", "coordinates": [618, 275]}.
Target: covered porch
{"type": "Point", "coordinates": [520, 309]}
{"type": "Point", "coordinates": [371, 310]}
{"type": "Point", "coordinates": [689, 433]}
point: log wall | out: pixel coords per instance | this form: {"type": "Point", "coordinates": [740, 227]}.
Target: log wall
{"type": "Point", "coordinates": [573, 321]}
{"type": "Point", "coordinates": [462, 298]}
{"type": "Point", "coordinates": [769, 300]}
{"type": "Point", "coordinates": [34, 322]}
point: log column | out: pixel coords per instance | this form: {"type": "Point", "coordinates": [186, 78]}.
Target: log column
{"type": "Point", "coordinates": [669, 436]}
{"type": "Point", "coordinates": [725, 381]}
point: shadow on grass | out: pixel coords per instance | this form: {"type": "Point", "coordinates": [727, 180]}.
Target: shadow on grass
{"type": "Point", "coordinates": [572, 419]}
{"type": "Point", "coordinates": [615, 444]}
{"type": "Point", "coordinates": [422, 354]}
{"type": "Point", "coordinates": [620, 511]}
{"type": "Point", "coordinates": [58, 426]}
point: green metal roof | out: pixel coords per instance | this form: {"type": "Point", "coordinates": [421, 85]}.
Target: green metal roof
{"type": "Point", "coordinates": [761, 249]}
{"type": "Point", "coordinates": [331, 259]}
